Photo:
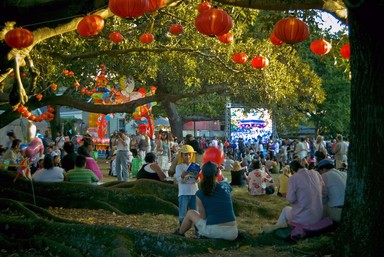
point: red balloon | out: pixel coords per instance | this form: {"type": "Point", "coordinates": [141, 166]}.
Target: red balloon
{"type": "Point", "coordinates": [213, 154]}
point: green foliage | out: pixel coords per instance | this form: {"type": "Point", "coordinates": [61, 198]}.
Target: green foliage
{"type": "Point", "coordinates": [194, 67]}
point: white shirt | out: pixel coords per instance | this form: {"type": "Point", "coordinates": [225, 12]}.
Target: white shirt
{"type": "Point", "coordinates": [120, 146]}
{"type": "Point", "coordinates": [184, 188]}
{"type": "Point", "coordinates": [56, 174]}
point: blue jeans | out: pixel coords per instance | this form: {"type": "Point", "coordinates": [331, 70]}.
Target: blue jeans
{"type": "Point", "coordinates": [122, 165]}
{"type": "Point", "coordinates": [186, 202]}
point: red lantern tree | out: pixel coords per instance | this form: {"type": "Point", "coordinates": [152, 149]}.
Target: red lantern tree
{"type": "Point", "coordinates": [320, 47]}
{"type": "Point", "coordinates": [19, 38]}
{"type": "Point", "coordinates": [345, 51]}
{"type": "Point", "coordinates": [128, 9]}
{"type": "Point", "coordinates": [240, 58]}
{"type": "Point", "coordinates": [176, 29]}
{"type": "Point", "coordinates": [214, 22]}
{"type": "Point", "coordinates": [147, 38]}
{"type": "Point", "coordinates": [260, 62]}
{"type": "Point", "coordinates": [274, 40]}
{"type": "Point", "coordinates": [226, 38]}
{"type": "Point", "coordinates": [154, 5]}
{"type": "Point", "coordinates": [90, 25]}
{"type": "Point", "coordinates": [116, 37]}
{"type": "Point", "coordinates": [291, 30]}
{"type": "Point", "coordinates": [204, 6]}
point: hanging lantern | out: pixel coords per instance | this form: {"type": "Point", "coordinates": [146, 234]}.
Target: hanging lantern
{"type": "Point", "coordinates": [320, 47]}
{"type": "Point", "coordinates": [260, 62]}
{"type": "Point", "coordinates": [214, 22]}
{"type": "Point", "coordinates": [76, 84]}
{"type": "Point", "coordinates": [274, 40]}
{"type": "Point", "coordinates": [54, 87]}
{"type": "Point", "coordinates": [128, 9]}
{"type": "Point", "coordinates": [116, 37]}
{"type": "Point", "coordinates": [226, 38]}
{"type": "Point", "coordinates": [147, 38]}
{"type": "Point", "coordinates": [240, 58]}
{"type": "Point", "coordinates": [39, 97]}
{"type": "Point", "coordinates": [176, 29]}
{"type": "Point", "coordinates": [204, 6]}
{"type": "Point", "coordinates": [22, 109]}
{"type": "Point", "coordinates": [291, 30]}
{"type": "Point", "coordinates": [154, 5]}
{"type": "Point", "coordinates": [345, 51]}
{"type": "Point", "coordinates": [90, 25]}
{"type": "Point", "coordinates": [19, 38]}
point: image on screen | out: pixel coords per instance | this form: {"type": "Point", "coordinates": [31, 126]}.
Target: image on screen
{"type": "Point", "coordinates": [255, 125]}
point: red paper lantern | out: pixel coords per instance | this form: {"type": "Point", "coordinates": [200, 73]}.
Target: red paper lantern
{"type": "Point", "coordinates": [204, 6]}
{"type": "Point", "coordinates": [154, 5]}
{"type": "Point", "coordinates": [213, 154]}
{"type": "Point", "coordinates": [226, 38]}
{"type": "Point", "coordinates": [90, 25]}
{"type": "Point", "coordinates": [39, 97]}
{"type": "Point", "coordinates": [54, 87]}
{"type": "Point", "coordinates": [19, 38]}
{"type": "Point", "coordinates": [147, 38]}
{"type": "Point", "coordinates": [291, 30]}
{"type": "Point", "coordinates": [22, 109]}
{"type": "Point", "coordinates": [214, 22]}
{"type": "Point", "coordinates": [240, 58]}
{"type": "Point", "coordinates": [116, 37]}
{"type": "Point", "coordinates": [176, 29]}
{"type": "Point", "coordinates": [274, 40]}
{"type": "Point", "coordinates": [76, 84]}
{"type": "Point", "coordinates": [260, 62]}
{"type": "Point", "coordinates": [26, 114]}
{"type": "Point", "coordinates": [128, 9]}
{"type": "Point", "coordinates": [320, 47]}
{"type": "Point", "coordinates": [345, 51]}
{"type": "Point", "coordinates": [51, 110]}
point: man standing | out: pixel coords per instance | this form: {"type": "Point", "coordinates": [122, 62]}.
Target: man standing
{"type": "Point", "coordinates": [121, 141]}
{"type": "Point", "coordinates": [334, 192]}
{"type": "Point", "coordinates": [340, 150]}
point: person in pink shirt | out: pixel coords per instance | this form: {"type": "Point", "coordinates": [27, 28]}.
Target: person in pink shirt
{"type": "Point", "coordinates": [90, 163]}
{"type": "Point", "coordinates": [305, 193]}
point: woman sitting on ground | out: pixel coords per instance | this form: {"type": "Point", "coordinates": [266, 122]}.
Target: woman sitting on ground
{"type": "Point", "coordinates": [238, 175]}
{"type": "Point", "coordinates": [50, 172]}
{"type": "Point", "coordinates": [151, 170]}
{"type": "Point", "coordinates": [257, 180]}
{"type": "Point", "coordinates": [90, 162]}
{"type": "Point", "coordinates": [215, 217]}
{"type": "Point", "coordinates": [283, 181]}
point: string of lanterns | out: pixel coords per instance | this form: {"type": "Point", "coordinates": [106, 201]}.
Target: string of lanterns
{"type": "Point", "coordinates": [211, 21]}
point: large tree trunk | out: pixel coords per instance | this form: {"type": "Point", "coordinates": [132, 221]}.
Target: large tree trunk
{"type": "Point", "coordinates": [362, 222]}
{"type": "Point", "coordinates": [175, 120]}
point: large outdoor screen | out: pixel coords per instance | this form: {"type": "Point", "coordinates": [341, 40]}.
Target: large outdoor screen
{"type": "Point", "coordinates": [255, 124]}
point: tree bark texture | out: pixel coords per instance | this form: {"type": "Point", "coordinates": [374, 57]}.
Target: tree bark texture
{"type": "Point", "coordinates": [362, 220]}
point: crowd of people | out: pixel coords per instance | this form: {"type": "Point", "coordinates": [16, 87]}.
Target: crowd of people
{"type": "Point", "coordinates": [310, 175]}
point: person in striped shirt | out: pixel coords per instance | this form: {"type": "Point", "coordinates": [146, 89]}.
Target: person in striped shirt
{"type": "Point", "coordinates": [80, 174]}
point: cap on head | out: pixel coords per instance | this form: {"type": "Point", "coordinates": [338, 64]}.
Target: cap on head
{"type": "Point", "coordinates": [210, 169]}
{"type": "Point", "coordinates": [325, 164]}
{"type": "Point", "coordinates": [187, 149]}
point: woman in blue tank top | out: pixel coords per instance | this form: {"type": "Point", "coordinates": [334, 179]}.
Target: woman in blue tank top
{"type": "Point", "coordinates": [215, 217]}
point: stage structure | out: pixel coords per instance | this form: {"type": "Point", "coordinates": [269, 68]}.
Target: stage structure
{"type": "Point", "coordinates": [255, 124]}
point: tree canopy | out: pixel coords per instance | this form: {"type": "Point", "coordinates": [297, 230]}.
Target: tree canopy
{"type": "Point", "coordinates": [184, 68]}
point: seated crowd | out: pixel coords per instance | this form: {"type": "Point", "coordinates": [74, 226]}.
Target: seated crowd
{"type": "Point", "coordinates": [312, 186]}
